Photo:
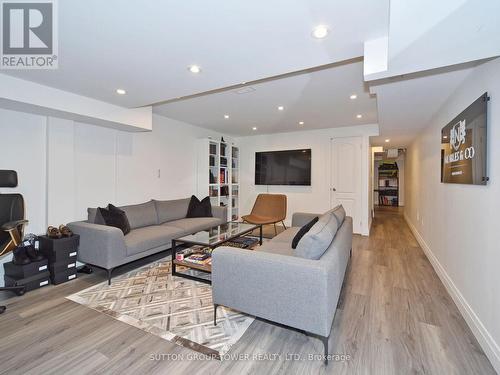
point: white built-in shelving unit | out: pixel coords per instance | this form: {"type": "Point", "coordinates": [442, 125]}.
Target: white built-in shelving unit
{"type": "Point", "coordinates": [218, 175]}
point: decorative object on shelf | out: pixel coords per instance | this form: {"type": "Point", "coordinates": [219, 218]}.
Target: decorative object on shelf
{"type": "Point", "coordinates": [222, 139]}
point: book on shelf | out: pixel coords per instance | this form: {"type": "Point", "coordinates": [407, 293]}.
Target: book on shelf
{"type": "Point", "coordinates": [198, 258]}
{"type": "Point", "coordinates": [223, 176]}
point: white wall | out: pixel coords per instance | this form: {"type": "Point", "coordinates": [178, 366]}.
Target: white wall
{"type": "Point", "coordinates": [314, 198]}
{"type": "Point", "coordinates": [65, 167]}
{"type": "Point", "coordinates": [459, 225]}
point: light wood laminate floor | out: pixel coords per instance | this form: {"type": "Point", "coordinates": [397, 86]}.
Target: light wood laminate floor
{"type": "Point", "coordinates": [394, 317]}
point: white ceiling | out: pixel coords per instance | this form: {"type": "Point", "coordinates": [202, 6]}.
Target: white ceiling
{"type": "Point", "coordinates": [146, 46]}
{"type": "Point", "coordinates": [430, 34]}
{"type": "Point", "coordinates": [406, 104]}
{"type": "Point", "coordinates": [320, 99]}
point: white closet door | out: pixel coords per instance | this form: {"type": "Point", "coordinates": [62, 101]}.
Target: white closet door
{"type": "Point", "coordinates": [346, 177]}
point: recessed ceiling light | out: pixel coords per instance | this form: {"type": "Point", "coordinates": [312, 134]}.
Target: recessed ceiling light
{"type": "Point", "coordinates": [194, 69]}
{"type": "Point", "coordinates": [254, 128]}
{"type": "Point", "coordinates": [301, 122]}
{"type": "Point", "coordinates": [320, 31]}
{"type": "Point", "coordinates": [359, 116]}
{"type": "Point", "coordinates": [121, 91]}
{"type": "Point", "coordinates": [387, 140]}
{"type": "Point", "coordinates": [226, 116]}
{"type": "Point", "coordinates": [353, 96]}
{"type": "Point", "coordinates": [280, 108]}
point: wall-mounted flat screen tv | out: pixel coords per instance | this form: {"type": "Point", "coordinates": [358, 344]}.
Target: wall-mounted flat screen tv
{"type": "Point", "coordinates": [463, 146]}
{"type": "Point", "coordinates": [289, 167]}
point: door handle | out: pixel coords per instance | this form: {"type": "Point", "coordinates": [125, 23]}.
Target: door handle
{"type": "Point", "coordinates": [333, 189]}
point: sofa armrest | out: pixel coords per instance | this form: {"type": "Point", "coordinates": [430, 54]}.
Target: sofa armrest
{"type": "Point", "coordinates": [285, 289]}
{"type": "Point", "coordinates": [100, 245]}
{"type": "Point", "coordinates": [220, 212]}
{"type": "Point", "coordinates": [300, 219]}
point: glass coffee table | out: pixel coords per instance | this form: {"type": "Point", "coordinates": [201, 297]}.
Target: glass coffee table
{"type": "Point", "coordinates": [204, 242]}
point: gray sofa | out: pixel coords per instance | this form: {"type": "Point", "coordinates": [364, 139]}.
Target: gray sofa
{"type": "Point", "coordinates": [153, 226]}
{"type": "Point", "coordinates": [276, 284]}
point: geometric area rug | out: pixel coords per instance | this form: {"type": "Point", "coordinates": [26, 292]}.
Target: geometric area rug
{"type": "Point", "coordinates": [174, 308]}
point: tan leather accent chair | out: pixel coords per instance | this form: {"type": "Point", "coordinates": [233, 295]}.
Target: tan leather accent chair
{"type": "Point", "coordinates": [268, 209]}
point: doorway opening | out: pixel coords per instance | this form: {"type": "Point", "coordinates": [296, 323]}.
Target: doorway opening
{"type": "Point", "coordinates": [388, 183]}
{"type": "Point", "coordinates": [388, 178]}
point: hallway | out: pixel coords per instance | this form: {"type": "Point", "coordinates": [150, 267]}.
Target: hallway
{"type": "Point", "coordinates": [396, 316]}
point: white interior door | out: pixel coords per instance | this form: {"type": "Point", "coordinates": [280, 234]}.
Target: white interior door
{"type": "Point", "coordinates": [346, 177]}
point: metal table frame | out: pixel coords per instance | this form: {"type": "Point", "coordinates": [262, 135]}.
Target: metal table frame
{"type": "Point", "coordinates": [176, 241]}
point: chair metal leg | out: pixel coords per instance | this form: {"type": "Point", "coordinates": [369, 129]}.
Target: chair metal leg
{"type": "Point", "coordinates": [282, 222]}
{"type": "Point", "coordinates": [275, 230]}
{"type": "Point", "coordinates": [215, 314]}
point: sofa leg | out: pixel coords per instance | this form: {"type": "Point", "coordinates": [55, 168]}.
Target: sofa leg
{"type": "Point", "coordinates": [325, 344]}
{"type": "Point", "coordinates": [109, 275]}
{"type": "Point", "coordinates": [215, 314]}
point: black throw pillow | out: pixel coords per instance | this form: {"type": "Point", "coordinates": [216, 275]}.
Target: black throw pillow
{"type": "Point", "coordinates": [302, 232]}
{"type": "Point", "coordinates": [114, 217]}
{"type": "Point", "coordinates": [199, 209]}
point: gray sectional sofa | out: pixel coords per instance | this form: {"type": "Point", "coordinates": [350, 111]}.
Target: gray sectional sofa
{"type": "Point", "coordinates": [283, 285]}
{"type": "Point", "coordinates": [153, 226]}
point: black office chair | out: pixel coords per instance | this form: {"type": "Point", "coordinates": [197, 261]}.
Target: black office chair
{"type": "Point", "coordinates": [12, 222]}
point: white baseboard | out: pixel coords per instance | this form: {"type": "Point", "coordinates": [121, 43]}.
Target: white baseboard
{"type": "Point", "coordinates": [490, 347]}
